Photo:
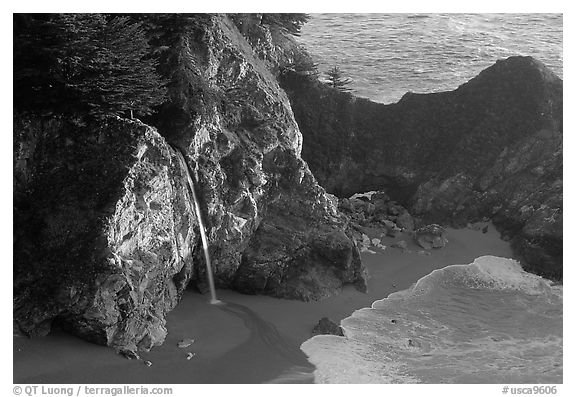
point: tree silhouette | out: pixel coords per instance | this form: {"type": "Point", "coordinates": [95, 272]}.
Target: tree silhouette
{"type": "Point", "coordinates": [290, 22]}
{"type": "Point", "coordinates": [302, 65]}
{"type": "Point", "coordinates": [336, 79]}
{"type": "Point", "coordinates": [84, 64]}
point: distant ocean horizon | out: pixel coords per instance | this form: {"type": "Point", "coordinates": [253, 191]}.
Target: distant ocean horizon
{"type": "Point", "coordinates": [387, 55]}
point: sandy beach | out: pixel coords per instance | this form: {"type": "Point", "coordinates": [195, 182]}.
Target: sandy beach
{"type": "Point", "coordinates": [248, 339]}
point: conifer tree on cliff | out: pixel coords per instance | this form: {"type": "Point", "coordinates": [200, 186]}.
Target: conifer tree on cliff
{"type": "Point", "coordinates": [337, 80]}
{"type": "Point", "coordinates": [83, 64]}
{"type": "Point", "coordinates": [291, 22]}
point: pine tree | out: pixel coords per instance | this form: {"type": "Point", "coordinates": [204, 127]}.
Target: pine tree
{"type": "Point", "coordinates": [84, 64]}
{"type": "Point", "coordinates": [336, 79]}
{"type": "Point", "coordinates": [120, 76]}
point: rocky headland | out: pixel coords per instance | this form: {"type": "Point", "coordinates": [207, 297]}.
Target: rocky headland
{"type": "Point", "coordinates": [105, 234]}
{"type": "Point", "coordinates": [489, 150]}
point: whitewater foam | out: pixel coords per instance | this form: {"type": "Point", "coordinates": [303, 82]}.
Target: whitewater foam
{"type": "Point", "coordinates": [486, 322]}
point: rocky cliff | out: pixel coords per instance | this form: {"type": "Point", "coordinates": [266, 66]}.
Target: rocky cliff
{"type": "Point", "coordinates": [104, 230]}
{"type": "Point", "coordinates": [490, 149]}
{"type": "Point", "coordinates": [106, 237]}
{"type": "Point", "coordinates": [105, 234]}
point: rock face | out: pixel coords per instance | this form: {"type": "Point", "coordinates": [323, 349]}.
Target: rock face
{"type": "Point", "coordinates": [273, 228]}
{"type": "Point", "coordinates": [377, 211]}
{"type": "Point", "coordinates": [491, 148]}
{"type": "Point", "coordinates": [105, 233]}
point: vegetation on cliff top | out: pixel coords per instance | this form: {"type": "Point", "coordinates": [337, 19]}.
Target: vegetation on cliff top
{"type": "Point", "coordinates": [289, 22]}
{"type": "Point", "coordinates": [84, 64]}
{"type": "Point", "coordinates": [97, 65]}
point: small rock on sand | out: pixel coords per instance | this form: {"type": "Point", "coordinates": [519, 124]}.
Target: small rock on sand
{"type": "Point", "coordinates": [365, 239]}
{"type": "Point", "coordinates": [130, 354]}
{"type": "Point", "coordinates": [185, 343]}
{"type": "Point", "coordinates": [327, 327]}
{"type": "Point", "coordinates": [364, 248]}
{"type": "Point", "coordinates": [431, 236]}
{"type": "Point", "coordinates": [376, 242]}
{"type": "Point", "coordinates": [474, 226]}
{"type": "Point", "coordinates": [400, 244]}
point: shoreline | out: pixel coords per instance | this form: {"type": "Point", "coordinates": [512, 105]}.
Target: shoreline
{"type": "Point", "coordinates": [250, 339]}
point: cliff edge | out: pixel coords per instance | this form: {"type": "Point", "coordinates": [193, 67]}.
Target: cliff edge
{"type": "Point", "coordinates": [106, 238]}
{"type": "Point", "coordinates": [490, 149]}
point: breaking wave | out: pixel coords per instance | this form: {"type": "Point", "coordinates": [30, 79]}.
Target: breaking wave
{"type": "Point", "coordinates": [486, 322]}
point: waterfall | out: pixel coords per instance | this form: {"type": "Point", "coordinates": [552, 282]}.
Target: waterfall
{"type": "Point", "coordinates": [263, 335]}
{"type": "Point", "coordinates": [201, 224]}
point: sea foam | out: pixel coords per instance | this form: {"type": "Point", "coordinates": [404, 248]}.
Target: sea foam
{"type": "Point", "coordinates": [486, 322]}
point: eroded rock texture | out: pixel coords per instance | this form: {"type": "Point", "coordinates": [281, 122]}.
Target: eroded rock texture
{"type": "Point", "coordinates": [273, 229]}
{"type": "Point", "coordinates": [105, 233]}
{"type": "Point", "coordinates": [492, 148]}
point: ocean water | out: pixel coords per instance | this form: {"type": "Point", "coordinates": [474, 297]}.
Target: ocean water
{"type": "Point", "coordinates": [387, 55]}
{"type": "Point", "coordinates": [486, 322]}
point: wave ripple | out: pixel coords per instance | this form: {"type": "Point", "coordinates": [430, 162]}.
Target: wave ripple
{"type": "Point", "coordinates": [486, 322]}
{"type": "Point", "coordinates": [387, 55]}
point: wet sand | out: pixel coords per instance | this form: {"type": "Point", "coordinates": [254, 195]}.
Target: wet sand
{"type": "Point", "coordinates": [249, 339]}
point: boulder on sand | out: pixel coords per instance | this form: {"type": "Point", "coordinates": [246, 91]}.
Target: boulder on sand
{"type": "Point", "coordinates": [431, 236]}
{"type": "Point", "coordinates": [327, 327]}
{"type": "Point", "coordinates": [400, 244]}
{"type": "Point", "coordinates": [405, 221]}
{"type": "Point", "coordinates": [391, 230]}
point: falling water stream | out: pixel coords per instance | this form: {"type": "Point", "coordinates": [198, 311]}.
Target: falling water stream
{"type": "Point", "coordinates": [262, 333]}
{"type": "Point", "coordinates": [201, 225]}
